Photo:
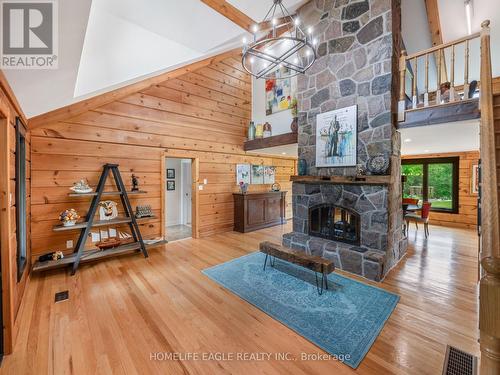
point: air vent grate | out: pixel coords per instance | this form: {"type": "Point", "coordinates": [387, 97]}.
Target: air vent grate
{"type": "Point", "coordinates": [458, 362]}
{"type": "Point", "coordinates": [61, 296]}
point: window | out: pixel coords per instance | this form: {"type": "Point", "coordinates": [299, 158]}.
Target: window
{"type": "Point", "coordinates": [433, 180]}
{"type": "Point", "coordinates": [21, 217]}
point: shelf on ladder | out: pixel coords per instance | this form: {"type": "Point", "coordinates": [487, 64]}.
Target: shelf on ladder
{"type": "Point", "coordinates": [91, 255]}
{"type": "Point", "coordinates": [92, 194]}
{"type": "Point", "coordinates": [100, 223]}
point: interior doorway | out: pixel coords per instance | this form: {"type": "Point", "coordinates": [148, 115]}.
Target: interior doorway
{"type": "Point", "coordinates": [178, 198]}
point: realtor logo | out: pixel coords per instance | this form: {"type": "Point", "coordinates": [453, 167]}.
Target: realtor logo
{"type": "Point", "coordinates": [29, 34]}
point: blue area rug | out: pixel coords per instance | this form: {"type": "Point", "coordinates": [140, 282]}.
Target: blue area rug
{"type": "Point", "coordinates": [344, 321]}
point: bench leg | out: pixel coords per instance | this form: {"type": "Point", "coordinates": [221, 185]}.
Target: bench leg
{"type": "Point", "coordinates": [265, 261]}
{"type": "Point", "coordinates": [272, 260]}
{"type": "Point", "coordinates": [325, 276]}
{"type": "Point", "coordinates": [323, 282]}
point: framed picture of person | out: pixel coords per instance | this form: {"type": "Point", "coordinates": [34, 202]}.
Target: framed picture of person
{"type": "Point", "coordinates": [170, 173]}
{"type": "Point", "coordinates": [336, 138]}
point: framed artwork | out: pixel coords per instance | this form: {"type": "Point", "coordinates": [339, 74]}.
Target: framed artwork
{"type": "Point", "coordinates": [278, 93]}
{"type": "Point", "coordinates": [242, 173]}
{"type": "Point", "coordinates": [257, 175]}
{"type": "Point", "coordinates": [170, 173]}
{"type": "Point", "coordinates": [475, 179]}
{"type": "Point", "coordinates": [170, 185]}
{"type": "Point", "coordinates": [269, 175]}
{"type": "Point", "coordinates": [337, 138]}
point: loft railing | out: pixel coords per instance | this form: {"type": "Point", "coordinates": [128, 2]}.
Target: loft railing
{"type": "Point", "coordinates": [489, 290]}
{"type": "Point", "coordinates": [409, 96]}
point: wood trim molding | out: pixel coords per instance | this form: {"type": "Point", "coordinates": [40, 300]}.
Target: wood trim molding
{"type": "Point", "coordinates": [75, 109]}
{"type": "Point", "coordinates": [231, 13]}
{"type": "Point", "coordinates": [5, 87]}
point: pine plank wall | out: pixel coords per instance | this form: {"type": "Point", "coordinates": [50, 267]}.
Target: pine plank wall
{"type": "Point", "coordinates": [202, 114]}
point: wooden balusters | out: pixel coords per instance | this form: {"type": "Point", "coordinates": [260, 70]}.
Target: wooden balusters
{"type": "Point", "coordinates": [402, 86]}
{"type": "Point", "coordinates": [414, 91]}
{"type": "Point", "coordinates": [466, 70]}
{"type": "Point", "coordinates": [489, 323]}
{"type": "Point", "coordinates": [452, 74]}
{"type": "Point", "coordinates": [426, 94]}
{"type": "Point", "coordinates": [439, 76]}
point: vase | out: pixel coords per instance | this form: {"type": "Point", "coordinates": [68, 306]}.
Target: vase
{"type": "Point", "coordinates": [69, 223]}
{"type": "Point", "coordinates": [294, 126]}
{"type": "Point", "coordinates": [251, 131]}
{"type": "Point", "coordinates": [302, 167]}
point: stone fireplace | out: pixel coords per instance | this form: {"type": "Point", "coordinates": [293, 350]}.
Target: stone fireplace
{"type": "Point", "coordinates": [356, 222]}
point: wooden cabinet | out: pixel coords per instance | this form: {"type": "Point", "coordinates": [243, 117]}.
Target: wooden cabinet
{"type": "Point", "coordinates": [254, 211]}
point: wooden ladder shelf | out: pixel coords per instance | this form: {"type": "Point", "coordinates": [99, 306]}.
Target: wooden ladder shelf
{"type": "Point", "coordinates": [79, 255]}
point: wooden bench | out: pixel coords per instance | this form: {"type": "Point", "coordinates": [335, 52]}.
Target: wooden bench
{"type": "Point", "coordinates": [312, 262]}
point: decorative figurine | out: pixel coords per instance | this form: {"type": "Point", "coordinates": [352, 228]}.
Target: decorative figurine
{"type": "Point", "coordinates": [268, 130]}
{"type": "Point", "coordinates": [56, 255]}
{"type": "Point", "coordinates": [360, 170]}
{"type": "Point", "coordinates": [276, 187]}
{"type": "Point", "coordinates": [69, 217]}
{"type": "Point", "coordinates": [135, 183]}
{"type": "Point", "coordinates": [302, 167]}
{"type": "Point", "coordinates": [108, 210]}
{"type": "Point", "coordinates": [81, 187]}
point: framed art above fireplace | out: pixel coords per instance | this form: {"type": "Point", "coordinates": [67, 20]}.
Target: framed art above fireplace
{"type": "Point", "coordinates": [337, 138]}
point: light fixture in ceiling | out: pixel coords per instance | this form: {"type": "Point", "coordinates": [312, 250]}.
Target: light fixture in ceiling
{"type": "Point", "coordinates": [468, 15]}
{"type": "Point", "coordinates": [285, 51]}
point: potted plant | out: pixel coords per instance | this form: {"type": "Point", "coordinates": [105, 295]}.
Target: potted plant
{"type": "Point", "coordinates": [294, 126]}
{"type": "Point", "coordinates": [69, 217]}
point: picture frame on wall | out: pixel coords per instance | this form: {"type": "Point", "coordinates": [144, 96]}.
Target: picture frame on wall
{"type": "Point", "coordinates": [337, 138]}
{"type": "Point", "coordinates": [170, 185]}
{"type": "Point", "coordinates": [475, 179]}
{"type": "Point", "coordinates": [279, 92]}
{"type": "Point", "coordinates": [257, 175]}
{"type": "Point", "coordinates": [170, 173]}
{"type": "Point", "coordinates": [269, 175]}
{"type": "Point", "coordinates": [242, 173]}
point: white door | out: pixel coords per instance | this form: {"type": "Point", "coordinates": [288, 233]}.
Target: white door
{"type": "Point", "coordinates": [186, 192]}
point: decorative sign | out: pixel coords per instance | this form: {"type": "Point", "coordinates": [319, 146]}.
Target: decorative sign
{"type": "Point", "coordinates": [475, 179]}
{"type": "Point", "coordinates": [336, 138]}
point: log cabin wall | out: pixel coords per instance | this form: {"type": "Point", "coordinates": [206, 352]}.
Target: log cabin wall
{"type": "Point", "coordinates": [467, 200]}
{"type": "Point", "coordinates": [202, 114]}
{"type": "Point", "coordinates": [12, 287]}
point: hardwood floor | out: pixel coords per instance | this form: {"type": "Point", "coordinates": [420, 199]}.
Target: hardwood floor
{"type": "Point", "coordinates": [122, 311]}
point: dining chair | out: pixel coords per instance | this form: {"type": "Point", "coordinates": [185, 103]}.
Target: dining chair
{"type": "Point", "coordinates": [410, 201]}
{"type": "Point", "coordinates": [422, 218]}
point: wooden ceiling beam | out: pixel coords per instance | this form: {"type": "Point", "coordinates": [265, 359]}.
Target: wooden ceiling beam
{"type": "Point", "coordinates": [431, 6]}
{"type": "Point", "coordinates": [231, 13]}
{"type": "Point", "coordinates": [75, 109]}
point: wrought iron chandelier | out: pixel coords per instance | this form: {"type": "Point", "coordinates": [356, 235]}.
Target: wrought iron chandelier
{"type": "Point", "coordinates": [283, 52]}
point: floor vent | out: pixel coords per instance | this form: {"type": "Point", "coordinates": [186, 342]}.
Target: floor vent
{"type": "Point", "coordinates": [458, 362]}
{"type": "Point", "coordinates": [61, 296]}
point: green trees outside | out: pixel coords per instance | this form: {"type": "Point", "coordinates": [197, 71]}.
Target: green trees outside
{"type": "Point", "coordinates": [439, 181]}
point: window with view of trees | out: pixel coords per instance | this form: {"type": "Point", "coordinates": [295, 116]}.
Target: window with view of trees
{"type": "Point", "coordinates": [433, 180]}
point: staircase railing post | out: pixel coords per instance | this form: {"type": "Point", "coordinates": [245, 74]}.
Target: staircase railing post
{"type": "Point", "coordinates": [489, 291]}
{"type": "Point", "coordinates": [402, 88]}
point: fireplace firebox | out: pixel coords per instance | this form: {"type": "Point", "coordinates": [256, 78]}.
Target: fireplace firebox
{"type": "Point", "coordinates": [334, 223]}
